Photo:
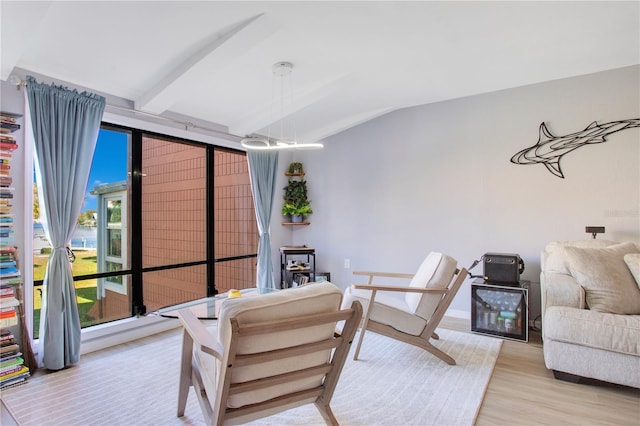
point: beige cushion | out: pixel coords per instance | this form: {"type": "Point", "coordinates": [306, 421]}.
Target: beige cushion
{"type": "Point", "coordinates": [554, 259]}
{"type": "Point", "coordinates": [609, 332]}
{"type": "Point", "coordinates": [436, 271]}
{"type": "Point", "coordinates": [633, 263]}
{"type": "Point", "coordinates": [387, 309]}
{"type": "Point", "coordinates": [318, 298]}
{"type": "Point", "coordinates": [602, 272]}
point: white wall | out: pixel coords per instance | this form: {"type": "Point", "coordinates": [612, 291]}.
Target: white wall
{"type": "Point", "coordinates": [439, 177]}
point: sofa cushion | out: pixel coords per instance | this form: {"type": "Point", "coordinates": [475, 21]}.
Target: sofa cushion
{"type": "Point", "coordinates": [555, 259]}
{"type": "Point", "coordinates": [610, 332]}
{"type": "Point", "coordinates": [633, 263]}
{"type": "Point", "coordinates": [602, 272]}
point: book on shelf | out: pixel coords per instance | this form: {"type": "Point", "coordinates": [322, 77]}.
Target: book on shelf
{"type": "Point", "coordinates": [14, 281]}
{"type": "Point", "coordinates": [9, 302]}
{"type": "Point", "coordinates": [300, 279]}
{"type": "Point", "coordinates": [9, 117]}
{"type": "Point", "coordinates": [9, 272]}
{"type": "Point", "coordinates": [11, 127]}
{"type": "Point", "coordinates": [10, 369]}
{"type": "Point", "coordinates": [8, 146]}
{"type": "Point", "coordinates": [14, 360]}
{"type": "Point", "coordinates": [8, 340]}
{"type": "Point", "coordinates": [22, 372]}
{"type": "Point", "coordinates": [9, 349]}
{"type": "Point", "coordinates": [7, 311]}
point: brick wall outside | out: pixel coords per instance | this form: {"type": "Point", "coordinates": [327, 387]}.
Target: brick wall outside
{"type": "Point", "coordinates": [174, 224]}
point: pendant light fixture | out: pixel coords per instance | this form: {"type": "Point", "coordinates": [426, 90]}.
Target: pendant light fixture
{"type": "Point", "coordinates": [282, 87]}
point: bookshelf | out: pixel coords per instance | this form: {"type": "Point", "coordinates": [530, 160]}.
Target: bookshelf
{"type": "Point", "coordinates": [294, 271]}
{"type": "Point", "coordinates": [13, 370]}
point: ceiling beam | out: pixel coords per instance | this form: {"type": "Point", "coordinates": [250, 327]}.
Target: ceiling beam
{"type": "Point", "coordinates": [260, 120]}
{"type": "Point", "coordinates": [220, 50]}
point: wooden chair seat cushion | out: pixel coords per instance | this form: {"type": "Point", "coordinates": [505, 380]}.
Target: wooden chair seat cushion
{"type": "Point", "coordinates": [311, 299]}
{"type": "Point", "coordinates": [389, 310]}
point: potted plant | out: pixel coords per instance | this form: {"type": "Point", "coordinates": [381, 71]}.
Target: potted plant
{"type": "Point", "coordinates": [295, 168]}
{"type": "Point", "coordinates": [297, 213]}
{"type": "Point", "coordinates": [296, 192]}
{"type": "Point", "coordinates": [296, 204]}
{"type": "Point", "coordinates": [288, 209]}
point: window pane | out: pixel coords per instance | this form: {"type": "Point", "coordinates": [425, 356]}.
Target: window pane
{"type": "Point", "coordinates": [173, 203]}
{"type": "Point", "coordinates": [112, 267]}
{"type": "Point", "coordinates": [236, 231]}
{"type": "Point", "coordinates": [235, 274]}
{"type": "Point", "coordinates": [114, 241]}
{"type": "Point", "coordinates": [173, 286]}
{"type": "Point", "coordinates": [114, 213]}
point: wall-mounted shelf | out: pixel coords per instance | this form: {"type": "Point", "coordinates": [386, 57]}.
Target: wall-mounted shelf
{"type": "Point", "coordinates": [296, 223]}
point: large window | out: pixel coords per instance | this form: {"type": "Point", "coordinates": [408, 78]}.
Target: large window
{"type": "Point", "coordinates": [165, 221]}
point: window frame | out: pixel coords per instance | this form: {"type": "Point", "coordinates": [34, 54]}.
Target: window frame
{"type": "Point", "coordinates": [133, 201]}
{"type": "Point", "coordinates": [105, 257]}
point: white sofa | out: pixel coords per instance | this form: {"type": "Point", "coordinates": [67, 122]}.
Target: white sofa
{"type": "Point", "coordinates": [591, 310]}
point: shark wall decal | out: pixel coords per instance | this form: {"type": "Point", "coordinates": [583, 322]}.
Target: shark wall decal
{"type": "Point", "coordinates": [550, 149]}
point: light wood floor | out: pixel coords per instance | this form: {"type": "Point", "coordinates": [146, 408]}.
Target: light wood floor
{"type": "Point", "coordinates": [523, 392]}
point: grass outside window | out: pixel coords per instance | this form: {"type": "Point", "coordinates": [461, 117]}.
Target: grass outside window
{"type": "Point", "coordinates": [86, 290]}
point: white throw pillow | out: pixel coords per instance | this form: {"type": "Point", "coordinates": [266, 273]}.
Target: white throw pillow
{"type": "Point", "coordinates": [603, 273]}
{"type": "Point", "coordinates": [633, 262]}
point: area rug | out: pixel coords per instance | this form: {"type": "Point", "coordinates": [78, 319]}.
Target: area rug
{"type": "Point", "coordinates": [391, 384]}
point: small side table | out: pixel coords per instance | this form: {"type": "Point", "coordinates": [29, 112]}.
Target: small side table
{"type": "Point", "coordinates": [500, 310]}
{"type": "Point", "coordinates": [307, 268]}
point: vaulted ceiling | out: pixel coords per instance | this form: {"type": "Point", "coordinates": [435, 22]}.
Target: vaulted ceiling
{"type": "Point", "coordinates": [353, 61]}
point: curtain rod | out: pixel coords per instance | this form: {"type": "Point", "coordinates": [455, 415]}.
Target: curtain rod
{"type": "Point", "coordinates": [21, 83]}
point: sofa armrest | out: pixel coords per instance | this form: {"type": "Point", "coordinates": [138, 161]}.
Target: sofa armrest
{"type": "Point", "coordinates": [560, 290]}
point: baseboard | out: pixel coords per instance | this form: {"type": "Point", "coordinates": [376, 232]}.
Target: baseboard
{"type": "Point", "coordinates": [457, 313]}
{"type": "Point", "coordinates": [112, 334]}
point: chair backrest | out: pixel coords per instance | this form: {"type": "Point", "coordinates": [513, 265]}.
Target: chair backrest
{"type": "Point", "coordinates": [280, 347]}
{"type": "Point", "coordinates": [436, 271]}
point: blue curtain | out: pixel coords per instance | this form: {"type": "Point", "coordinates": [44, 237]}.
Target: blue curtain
{"type": "Point", "coordinates": [262, 170]}
{"type": "Point", "coordinates": [65, 127]}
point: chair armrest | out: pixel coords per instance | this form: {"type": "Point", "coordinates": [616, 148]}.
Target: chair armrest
{"type": "Point", "coordinates": [561, 290]}
{"type": "Point", "coordinates": [404, 289]}
{"type": "Point", "coordinates": [383, 274]}
{"type": "Point", "coordinates": [199, 333]}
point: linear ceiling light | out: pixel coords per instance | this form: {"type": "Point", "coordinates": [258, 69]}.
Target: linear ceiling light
{"type": "Point", "coordinates": [282, 82]}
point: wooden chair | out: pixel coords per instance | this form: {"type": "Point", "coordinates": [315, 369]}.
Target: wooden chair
{"type": "Point", "coordinates": [272, 352]}
{"type": "Point", "coordinates": [414, 318]}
